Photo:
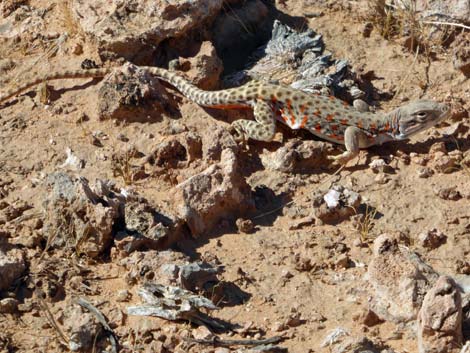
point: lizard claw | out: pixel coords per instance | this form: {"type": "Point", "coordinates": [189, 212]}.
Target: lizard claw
{"type": "Point", "coordinates": [342, 158]}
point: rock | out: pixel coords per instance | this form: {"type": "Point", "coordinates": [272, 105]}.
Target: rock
{"type": "Point", "coordinates": [8, 305]}
{"type": "Point", "coordinates": [123, 295]}
{"type": "Point", "coordinates": [399, 280]}
{"type": "Point", "coordinates": [462, 266]}
{"type": "Point", "coordinates": [146, 228]}
{"type": "Point", "coordinates": [301, 222]}
{"type": "Point", "coordinates": [133, 29]}
{"type": "Point", "coordinates": [359, 104]}
{"type": "Point", "coordinates": [197, 276]}
{"type": "Point", "coordinates": [368, 318]}
{"type": "Point", "coordinates": [334, 336]}
{"type": "Point", "coordinates": [202, 333]}
{"type": "Point", "coordinates": [176, 152]}
{"type": "Point", "coordinates": [12, 266]}
{"type": "Point", "coordinates": [337, 204]}
{"type": "Point", "coordinates": [72, 162]}
{"type": "Point", "coordinates": [300, 55]}
{"type": "Point", "coordinates": [451, 10]}
{"type": "Point", "coordinates": [440, 319]}
{"type": "Point", "coordinates": [449, 193]}
{"type": "Point", "coordinates": [380, 166]}
{"type": "Point", "coordinates": [216, 140]}
{"type": "Point", "coordinates": [425, 172]}
{"type": "Point", "coordinates": [216, 193]}
{"type": "Point", "coordinates": [461, 57]}
{"type": "Point", "coordinates": [438, 147]}
{"type": "Point", "coordinates": [278, 327]}
{"type": "Point", "coordinates": [206, 68]}
{"type": "Point", "coordinates": [444, 163]}
{"type": "Point", "coordinates": [381, 178]}
{"type": "Point", "coordinates": [432, 239]}
{"type": "Point", "coordinates": [356, 344]}
{"type": "Point", "coordinates": [342, 261]}
{"type": "Point", "coordinates": [80, 218]}
{"type": "Point", "coordinates": [148, 265]}
{"type": "Point", "coordinates": [294, 320]}
{"type": "Point", "coordinates": [303, 262]}
{"type": "Point", "coordinates": [298, 156]}
{"type": "Point", "coordinates": [245, 225]}
{"type": "Point", "coordinates": [466, 348]}
{"type": "Point", "coordinates": [14, 210]}
{"type": "Point", "coordinates": [80, 326]}
{"type": "Point", "coordinates": [132, 94]}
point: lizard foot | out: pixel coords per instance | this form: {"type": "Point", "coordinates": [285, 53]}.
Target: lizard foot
{"type": "Point", "coordinates": [237, 133]}
{"type": "Point", "coordinates": [342, 158]}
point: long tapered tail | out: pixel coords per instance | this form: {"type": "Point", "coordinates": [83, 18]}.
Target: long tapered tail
{"type": "Point", "coordinates": [190, 91]}
{"type": "Point", "coordinates": [57, 75]}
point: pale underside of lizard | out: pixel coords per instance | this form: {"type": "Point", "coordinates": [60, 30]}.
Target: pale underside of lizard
{"type": "Point", "coordinates": [326, 117]}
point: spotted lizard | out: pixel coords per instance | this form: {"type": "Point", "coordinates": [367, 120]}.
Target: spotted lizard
{"type": "Point", "coordinates": [326, 117]}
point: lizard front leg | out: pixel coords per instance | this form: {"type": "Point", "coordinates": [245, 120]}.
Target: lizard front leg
{"type": "Point", "coordinates": [263, 129]}
{"type": "Point", "coordinates": [354, 138]}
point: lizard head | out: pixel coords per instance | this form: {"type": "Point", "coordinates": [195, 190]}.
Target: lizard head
{"type": "Point", "coordinates": [417, 116]}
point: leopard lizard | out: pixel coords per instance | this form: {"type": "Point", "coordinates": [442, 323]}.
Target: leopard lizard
{"type": "Point", "coordinates": [326, 117]}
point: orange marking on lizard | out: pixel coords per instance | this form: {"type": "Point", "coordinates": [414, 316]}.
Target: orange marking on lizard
{"type": "Point", "coordinates": [318, 127]}
{"type": "Point", "coordinates": [344, 121]}
{"type": "Point", "coordinates": [317, 113]}
{"type": "Point", "coordinates": [359, 124]}
{"type": "Point", "coordinates": [291, 112]}
{"type": "Point", "coordinates": [334, 127]}
{"type": "Point", "coordinates": [345, 103]}
{"type": "Point", "coordinates": [329, 117]}
{"type": "Point", "coordinates": [386, 127]}
{"type": "Point", "coordinates": [304, 121]}
{"type": "Point", "coordinates": [292, 120]}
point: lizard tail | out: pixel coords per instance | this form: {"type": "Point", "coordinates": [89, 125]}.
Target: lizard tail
{"type": "Point", "coordinates": [193, 93]}
{"type": "Point", "coordinates": [58, 75]}
{"type": "Point", "coordinates": [223, 98]}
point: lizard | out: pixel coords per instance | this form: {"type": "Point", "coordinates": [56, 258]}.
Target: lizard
{"type": "Point", "coordinates": [327, 117]}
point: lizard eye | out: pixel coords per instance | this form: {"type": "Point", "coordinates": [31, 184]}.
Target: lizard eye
{"type": "Point", "coordinates": [421, 116]}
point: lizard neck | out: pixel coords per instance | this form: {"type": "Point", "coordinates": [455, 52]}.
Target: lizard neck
{"type": "Point", "coordinates": [383, 127]}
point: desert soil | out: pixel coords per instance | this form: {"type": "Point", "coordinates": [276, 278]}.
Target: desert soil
{"type": "Point", "coordinates": [297, 277]}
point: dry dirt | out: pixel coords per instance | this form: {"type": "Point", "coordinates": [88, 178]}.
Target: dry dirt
{"type": "Point", "coordinates": [298, 278]}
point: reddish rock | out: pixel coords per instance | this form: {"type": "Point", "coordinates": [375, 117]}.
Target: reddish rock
{"type": "Point", "coordinates": [218, 192]}
{"type": "Point", "coordinates": [399, 279]}
{"type": "Point", "coordinates": [205, 67]}
{"type": "Point", "coordinates": [440, 318]}
{"type": "Point", "coordinates": [135, 28]}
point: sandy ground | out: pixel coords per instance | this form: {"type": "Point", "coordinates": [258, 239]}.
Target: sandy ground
{"type": "Point", "coordinates": [283, 297]}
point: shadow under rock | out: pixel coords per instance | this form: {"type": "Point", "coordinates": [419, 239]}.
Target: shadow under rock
{"type": "Point", "coordinates": [245, 27]}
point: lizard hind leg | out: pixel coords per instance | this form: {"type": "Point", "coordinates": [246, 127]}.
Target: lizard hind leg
{"type": "Point", "coordinates": [263, 129]}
